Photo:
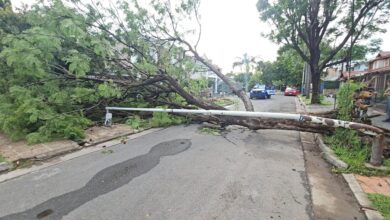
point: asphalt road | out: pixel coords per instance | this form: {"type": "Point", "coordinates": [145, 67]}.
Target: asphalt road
{"type": "Point", "coordinates": [174, 173]}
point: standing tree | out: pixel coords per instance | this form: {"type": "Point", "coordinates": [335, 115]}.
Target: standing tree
{"type": "Point", "coordinates": [247, 62]}
{"type": "Point", "coordinates": [319, 29]}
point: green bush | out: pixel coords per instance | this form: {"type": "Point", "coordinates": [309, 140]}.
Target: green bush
{"type": "Point", "coordinates": [136, 122]}
{"type": "Point", "coordinates": [347, 146]}
{"type": "Point", "coordinates": [63, 126]}
{"type": "Point", "coordinates": [345, 100]}
{"type": "Point", "coordinates": [163, 119]}
{"type": "Point", "coordinates": [346, 138]}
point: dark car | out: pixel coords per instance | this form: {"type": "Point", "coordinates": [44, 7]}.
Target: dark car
{"type": "Point", "coordinates": [258, 94]}
{"type": "Point", "coordinates": [291, 92]}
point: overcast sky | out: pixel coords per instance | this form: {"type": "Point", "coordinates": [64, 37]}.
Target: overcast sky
{"type": "Point", "coordinates": [232, 28]}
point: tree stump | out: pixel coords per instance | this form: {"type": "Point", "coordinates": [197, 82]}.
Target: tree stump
{"type": "Point", "coordinates": [377, 150]}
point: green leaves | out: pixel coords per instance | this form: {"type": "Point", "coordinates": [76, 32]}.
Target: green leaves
{"type": "Point", "coordinates": [108, 90]}
{"type": "Point", "coordinates": [71, 28]}
{"type": "Point", "coordinates": [62, 126]}
{"type": "Point", "coordinates": [345, 100]}
{"type": "Point", "coordinates": [78, 63]}
{"type": "Point", "coordinates": [53, 64]}
{"type": "Point", "coordinates": [163, 119]}
{"type": "Point", "coordinates": [136, 122]}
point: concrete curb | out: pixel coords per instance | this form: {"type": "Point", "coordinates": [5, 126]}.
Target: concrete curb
{"type": "Point", "coordinates": [56, 152]}
{"type": "Point", "coordinates": [114, 137]}
{"type": "Point", "coordinates": [361, 197]}
{"type": "Point", "coordinates": [328, 153]}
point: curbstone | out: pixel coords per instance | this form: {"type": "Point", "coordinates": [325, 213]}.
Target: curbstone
{"type": "Point", "coordinates": [57, 152]}
{"type": "Point", "coordinates": [328, 153]}
{"type": "Point", "coordinates": [373, 214]}
{"type": "Point", "coordinates": [361, 197]}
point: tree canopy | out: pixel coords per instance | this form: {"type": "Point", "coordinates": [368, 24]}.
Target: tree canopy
{"type": "Point", "coordinates": [62, 62]}
{"type": "Point", "coordinates": [319, 30]}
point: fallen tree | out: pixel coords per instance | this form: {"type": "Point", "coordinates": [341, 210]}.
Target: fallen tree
{"type": "Point", "coordinates": [266, 120]}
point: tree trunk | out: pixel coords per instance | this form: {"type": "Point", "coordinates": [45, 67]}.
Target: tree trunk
{"type": "Point", "coordinates": [316, 80]}
{"type": "Point", "coordinates": [189, 97]}
{"type": "Point", "coordinates": [257, 123]}
{"type": "Point", "coordinates": [238, 91]}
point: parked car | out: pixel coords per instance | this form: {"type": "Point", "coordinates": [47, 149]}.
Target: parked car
{"type": "Point", "coordinates": [291, 92]}
{"type": "Point", "coordinates": [258, 94]}
{"type": "Point", "coordinates": [270, 90]}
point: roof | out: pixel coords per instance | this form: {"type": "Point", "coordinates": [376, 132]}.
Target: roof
{"type": "Point", "coordinates": [353, 74]}
{"type": "Point", "coordinates": [380, 70]}
{"type": "Point", "coordinates": [381, 55]}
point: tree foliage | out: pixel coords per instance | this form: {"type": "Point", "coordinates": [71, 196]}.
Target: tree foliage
{"type": "Point", "coordinates": [287, 69]}
{"type": "Point", "coordinates": [62, 62]}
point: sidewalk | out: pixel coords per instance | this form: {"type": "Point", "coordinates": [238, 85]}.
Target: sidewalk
{"type": "Point", "coordinates": [379, 120]}
{"type": "Point", "coordinates": [316, 108]}
{"type": "Point", "coordinates": [365, 184]}
{"type": "Point", "coordinates": [15, 152]}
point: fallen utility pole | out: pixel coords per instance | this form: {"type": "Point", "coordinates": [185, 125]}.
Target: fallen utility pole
{"type": "Point", "coordinates": [363, 128]}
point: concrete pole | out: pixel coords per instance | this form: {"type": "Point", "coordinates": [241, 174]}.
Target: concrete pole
{"type": "Point", "coordinates": [216, 85]}
{"type": "Point", "coordinates": [307, 81]}
{"type": "Point", "coordinates": [303, 79]}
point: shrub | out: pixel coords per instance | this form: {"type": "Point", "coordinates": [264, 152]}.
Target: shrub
{"type": "Point", "coordinates": [136, 122]}
{"type": "Point", "coordinates": [345, 100]}
{"type": "Point", "coordinates": [163, 119]}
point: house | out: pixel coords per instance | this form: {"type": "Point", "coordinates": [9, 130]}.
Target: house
{"type": "Point", "coordinates": [337, 73]}
{"type": "Point", "coordinates": [378, 68]}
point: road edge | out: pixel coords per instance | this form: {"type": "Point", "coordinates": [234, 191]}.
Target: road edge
{"type": "Point", "coordinates": [72, 155]}
{"type": "Point", "coordinates": [328, 154]}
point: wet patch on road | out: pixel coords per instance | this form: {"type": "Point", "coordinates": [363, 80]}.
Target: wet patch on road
{"type": "Point", "coordinates": [103, 182]}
